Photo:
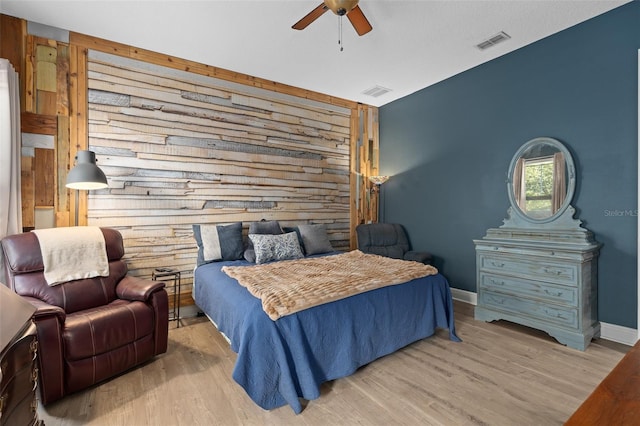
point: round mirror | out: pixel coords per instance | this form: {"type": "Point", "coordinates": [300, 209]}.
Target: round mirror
{"type": "Point", "coordinates": [541, 180]}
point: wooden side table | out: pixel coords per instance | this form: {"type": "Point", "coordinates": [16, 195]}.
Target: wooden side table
{"type": "Point", "coordinates": [616, 400]}
{"type": "Point", "coordinates": [170, 276]}
{"type": "Point", "coordinates": [18, 361]}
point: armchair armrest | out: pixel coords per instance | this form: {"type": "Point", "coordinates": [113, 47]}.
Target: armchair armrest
{"type": "Point", "coordinates": [134, 288]}
{"type": "Point", "coordinates": [419, 256]}
{"type": "Point", "coordinates": [49, 320]}
{"type": "Point", "coordinates": [43, 309]}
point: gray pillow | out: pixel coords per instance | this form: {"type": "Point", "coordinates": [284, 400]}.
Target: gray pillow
{"type": "Point", "coordinates": [315, 239]}
{"type": "Point", "coordinates": [270, 227]}
{"type": "Point", "coordinates": [276, 247]}
{"type": "Point", "coordinates": [218, 242]}
{"type": "Point", "coordinates": [287, 229]}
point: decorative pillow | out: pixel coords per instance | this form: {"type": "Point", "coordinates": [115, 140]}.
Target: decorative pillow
{"type": "Point", "coordinates": [218, 242]}
{"type": "Point", "coordinates": [287, 229]}
{"type": "Point", "coordinates": [315, 239]}
{"type": "Point", "coordinates": [276, 247]}
{"type": "Point", "coordinates": [271, 227]}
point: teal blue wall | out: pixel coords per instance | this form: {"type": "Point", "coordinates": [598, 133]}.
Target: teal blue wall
{"type": "Point", "coordinates": [448, 148]}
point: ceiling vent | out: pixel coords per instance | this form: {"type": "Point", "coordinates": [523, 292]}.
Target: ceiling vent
{"type": "Point", "coordinates": [491, 41]}
{"type": "Point", "coordinates": [376, 91]}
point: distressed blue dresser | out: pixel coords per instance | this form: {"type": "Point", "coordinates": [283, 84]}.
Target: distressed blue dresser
{"type": "Point", "coordinates": [539, 269]}
{"type": "Point", "coordinates": [542, 280]}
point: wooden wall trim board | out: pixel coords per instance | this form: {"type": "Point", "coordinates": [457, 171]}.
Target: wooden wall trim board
{"type": "Point", "coordinates": [184, 143]}
{"type": "Point", "coordinates": [119, 49]}
{"type": "Point", "coordinates": [40, 124]}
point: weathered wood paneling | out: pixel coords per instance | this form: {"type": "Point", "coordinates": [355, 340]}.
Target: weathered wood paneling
{"type": "Point", "coordinates": [220, 144]}
{"type": "Point", "coordinates": [182, 149]}
{"type": "Point", "coordinates": [44, 177]}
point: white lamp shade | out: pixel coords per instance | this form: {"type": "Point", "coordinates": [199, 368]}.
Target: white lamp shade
{"type": "Point", "coordinates": [86, 174]}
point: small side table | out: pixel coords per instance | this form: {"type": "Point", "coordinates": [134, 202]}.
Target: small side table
{"type": "Point", "coordinates": [169, 275]}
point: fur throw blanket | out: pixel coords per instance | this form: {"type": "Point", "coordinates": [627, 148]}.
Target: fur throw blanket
{"type": "Point", "coordinates": [291, 286]}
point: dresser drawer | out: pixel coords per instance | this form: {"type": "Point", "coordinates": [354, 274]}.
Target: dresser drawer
{"type": "Point", "coordinates": [21, 355]}
{"type": "Point", "coordinates": [529, 288]}
{"type": "Point", "coordinates": [19, 379]}
{"type": "Point", "coordinates": [25, 413]}
{"type": "Point", "coordinates": [566, 274]}
{"type": "Point", "coordinates": [559, 315]}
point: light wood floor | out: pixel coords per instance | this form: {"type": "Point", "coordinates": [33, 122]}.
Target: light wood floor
{"type": "Point", "coordinates": [501, 374]}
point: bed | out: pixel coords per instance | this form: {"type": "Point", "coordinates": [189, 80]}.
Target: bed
{"type": "Point", "coordinates": [279, 362]}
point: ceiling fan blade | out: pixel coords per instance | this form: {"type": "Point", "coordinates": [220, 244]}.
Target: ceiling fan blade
{"type": "Point", "coordinates": [359, 21]}
{"type": "Point", "coordinates": [310, 17]}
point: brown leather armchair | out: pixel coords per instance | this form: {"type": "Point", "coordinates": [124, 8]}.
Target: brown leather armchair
{"type": "Point", "coordinates": [88, 329]}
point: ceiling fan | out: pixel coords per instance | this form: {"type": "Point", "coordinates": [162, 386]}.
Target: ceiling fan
{"type": "Point", "coordinates": [340, 8]}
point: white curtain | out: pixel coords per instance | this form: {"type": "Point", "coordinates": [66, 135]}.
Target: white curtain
{"type": "Point", "coordinates": [10, 151]}
{"type": "Point", "coordinates": [519, 185]}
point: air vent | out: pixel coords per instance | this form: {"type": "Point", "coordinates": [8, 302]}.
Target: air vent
{"type": "Point", "coordinates": [376, 91]}
{"type": "Point", "coordinates": [492, 41]}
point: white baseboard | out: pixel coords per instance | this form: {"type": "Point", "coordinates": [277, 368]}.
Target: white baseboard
{"type": "Point", "coordinates": [615, 333]}
{"type": "Point", "coordinates": [464, 296]}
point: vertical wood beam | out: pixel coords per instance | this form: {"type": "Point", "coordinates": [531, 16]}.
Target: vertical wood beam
{"type": "Point", "coordinates": [28, 192]}
{"type": "Point", "coordinates": [44, 177]}
{"type": "Point", "coordinates": [78, 139]}
{"type": "Point", "coordinates": [61, 202]}
{"type": "Point", "coordinates": [13, 47]}
{"type": "Point", "coordinates": [354, 179]}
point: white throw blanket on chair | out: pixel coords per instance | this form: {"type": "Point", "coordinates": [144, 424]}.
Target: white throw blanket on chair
{"type": "Point", "coordinates": [72, 253]}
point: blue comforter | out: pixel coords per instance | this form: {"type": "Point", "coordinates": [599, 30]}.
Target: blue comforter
{"type": "Point", "coordinates": [281, 361]}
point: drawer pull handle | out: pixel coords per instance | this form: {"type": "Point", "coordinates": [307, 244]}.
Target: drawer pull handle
{"type": "Point", "coordinates": [496, 282]}
{"type": "Point", "coordinates": [496, 300]}
{"type": "Point", "coordinates": [34, 350]}
{"type": "Point", "coordinates": [497, 264]}
{"type": "Point", "coordinates": [555, 314]}
{"type": "Point", "coordinates": [549, 270]}
{"type": "Point", "coordinates": [553, 293]}
{"type": "Point", "coordinates": [34, 378]}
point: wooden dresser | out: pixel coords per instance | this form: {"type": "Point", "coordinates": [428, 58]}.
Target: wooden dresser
{"type": "Point", "coordinates": [545, 280]}
{"type": "Point", "coordinates": [18, 361]}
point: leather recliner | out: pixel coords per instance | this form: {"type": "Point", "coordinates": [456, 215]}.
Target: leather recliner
{"type": "Point", "coordinates": [91, 329]}
{"type": "Point", "coordinates": [390, 240]}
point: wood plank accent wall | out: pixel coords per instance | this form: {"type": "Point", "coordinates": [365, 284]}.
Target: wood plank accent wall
{"type": "Point", "coordinates": [181, 149]}
{"type": "Point", "coordinates": [184, 143]}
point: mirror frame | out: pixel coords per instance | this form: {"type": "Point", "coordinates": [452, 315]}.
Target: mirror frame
{"type": "Point", "coordinates": [571, 182]}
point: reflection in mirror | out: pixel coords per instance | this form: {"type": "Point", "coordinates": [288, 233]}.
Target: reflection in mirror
{"type": "Point", "coordinates": [540, 181]}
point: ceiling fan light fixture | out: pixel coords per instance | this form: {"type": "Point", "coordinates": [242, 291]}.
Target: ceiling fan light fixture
{"type": "Point", "coordinates": [341, 7]}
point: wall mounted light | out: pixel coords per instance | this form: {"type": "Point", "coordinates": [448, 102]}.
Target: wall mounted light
{"type": "Point", "coordinates": [377, 181]}
{"type": "Point", "coordinates": [85, 175]}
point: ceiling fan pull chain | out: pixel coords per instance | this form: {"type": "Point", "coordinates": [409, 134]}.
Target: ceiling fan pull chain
{"type": "Point", "coordinates": [340, 33]}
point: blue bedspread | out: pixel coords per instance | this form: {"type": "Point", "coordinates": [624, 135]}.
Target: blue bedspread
{"type": "Point", "coordinates": [281, 361]}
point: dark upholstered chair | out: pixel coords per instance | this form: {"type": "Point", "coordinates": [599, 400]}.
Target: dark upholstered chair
{"type": "Point", "coordinates": [390, 240]}
{"type": "Point", "coordinates": [89, 329]}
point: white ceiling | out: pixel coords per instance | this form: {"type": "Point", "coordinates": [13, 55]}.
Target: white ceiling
{"type": "Point", "coordinates": [413, 44]}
